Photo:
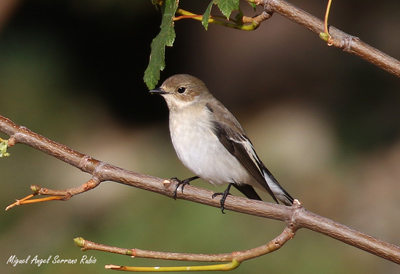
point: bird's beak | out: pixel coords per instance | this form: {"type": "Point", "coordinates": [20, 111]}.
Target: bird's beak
{"type": "Point", "coordinates": [158, 91]}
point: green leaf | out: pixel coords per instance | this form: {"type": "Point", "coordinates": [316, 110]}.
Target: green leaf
{"type": "Point", "coordinates": [227, 6]}
{"type": "Point", "coordinates": [166, 37]}
{"type": "Point", "coordinates": [3, 148]}
{"type": "Point", "coordinates": [206, 15]}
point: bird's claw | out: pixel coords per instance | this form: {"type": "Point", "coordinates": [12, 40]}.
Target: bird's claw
{"type": "Point", "coordinates": [223, 198]}
{"type": "Point", "coordinates": [179, 183]}
{"type": "Point", "coordinates": [182, 183]}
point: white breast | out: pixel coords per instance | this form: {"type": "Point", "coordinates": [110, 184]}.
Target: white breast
{"type": "Point", "coordinates": [200, 150]}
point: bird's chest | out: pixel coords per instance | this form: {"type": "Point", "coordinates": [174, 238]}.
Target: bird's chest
{"type": "Point", "coordinates": [192, 136]}
{"type": "Point", "coordinates": [199, 148]}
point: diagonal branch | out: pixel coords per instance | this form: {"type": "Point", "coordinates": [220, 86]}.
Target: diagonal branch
{"type": "Point", "coordinates": [295, 217]}
{"type": "Point", "coordinates": [340, 39]}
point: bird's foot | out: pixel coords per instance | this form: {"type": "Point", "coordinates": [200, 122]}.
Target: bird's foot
{"type": "Point", "coordinates": [182, 183]}
{"type": "Point", "coordinates": [223, 198]}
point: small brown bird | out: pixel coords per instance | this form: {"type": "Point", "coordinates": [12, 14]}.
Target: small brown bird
{"type": "Point", "coordinates": [211, 143]}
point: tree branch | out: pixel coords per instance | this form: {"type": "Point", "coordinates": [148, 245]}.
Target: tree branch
{"type": "Point", "coordinates": [235, 258]}
{"type": "Point", "coordinates": [295, 217]}
{"type": "Point", "coordinates": [271, 246]}
{"type": "Point", "coordinates": [340, 39]}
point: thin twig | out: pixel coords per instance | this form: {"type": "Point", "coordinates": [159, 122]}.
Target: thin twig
{"type": "Point", "coordinates": [61, 195]}
{"type": "Point", "coordinates": [241, 256]}
{"type": "Point", "coordinates": [325, 35]}
{"type": "Point", "coordinates": [234, 257]}
{"type": "Point", "coordinates": [247, 23]}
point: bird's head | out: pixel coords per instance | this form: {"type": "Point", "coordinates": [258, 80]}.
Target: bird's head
{"type": "Point", "coordinates": [182, 90]}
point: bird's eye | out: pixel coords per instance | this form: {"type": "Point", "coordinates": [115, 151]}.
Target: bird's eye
{"type": "Point", "coordinates": [181, 89]}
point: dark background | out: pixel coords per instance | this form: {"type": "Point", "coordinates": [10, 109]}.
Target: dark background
{"type": "Point", "coordinates": [326, 123]}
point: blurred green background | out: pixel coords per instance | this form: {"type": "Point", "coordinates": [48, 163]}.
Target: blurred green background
{"type": "Point", "coordinates": [326, 123]}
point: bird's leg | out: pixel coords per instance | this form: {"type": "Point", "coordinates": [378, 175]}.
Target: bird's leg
{"type": "Point", "coordinates": [223, 198]}
{"type": "Point", "coordinates": [183, 183]}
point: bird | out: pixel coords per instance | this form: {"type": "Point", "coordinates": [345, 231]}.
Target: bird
{"type": "Point", "coordinates": [211, 143]}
